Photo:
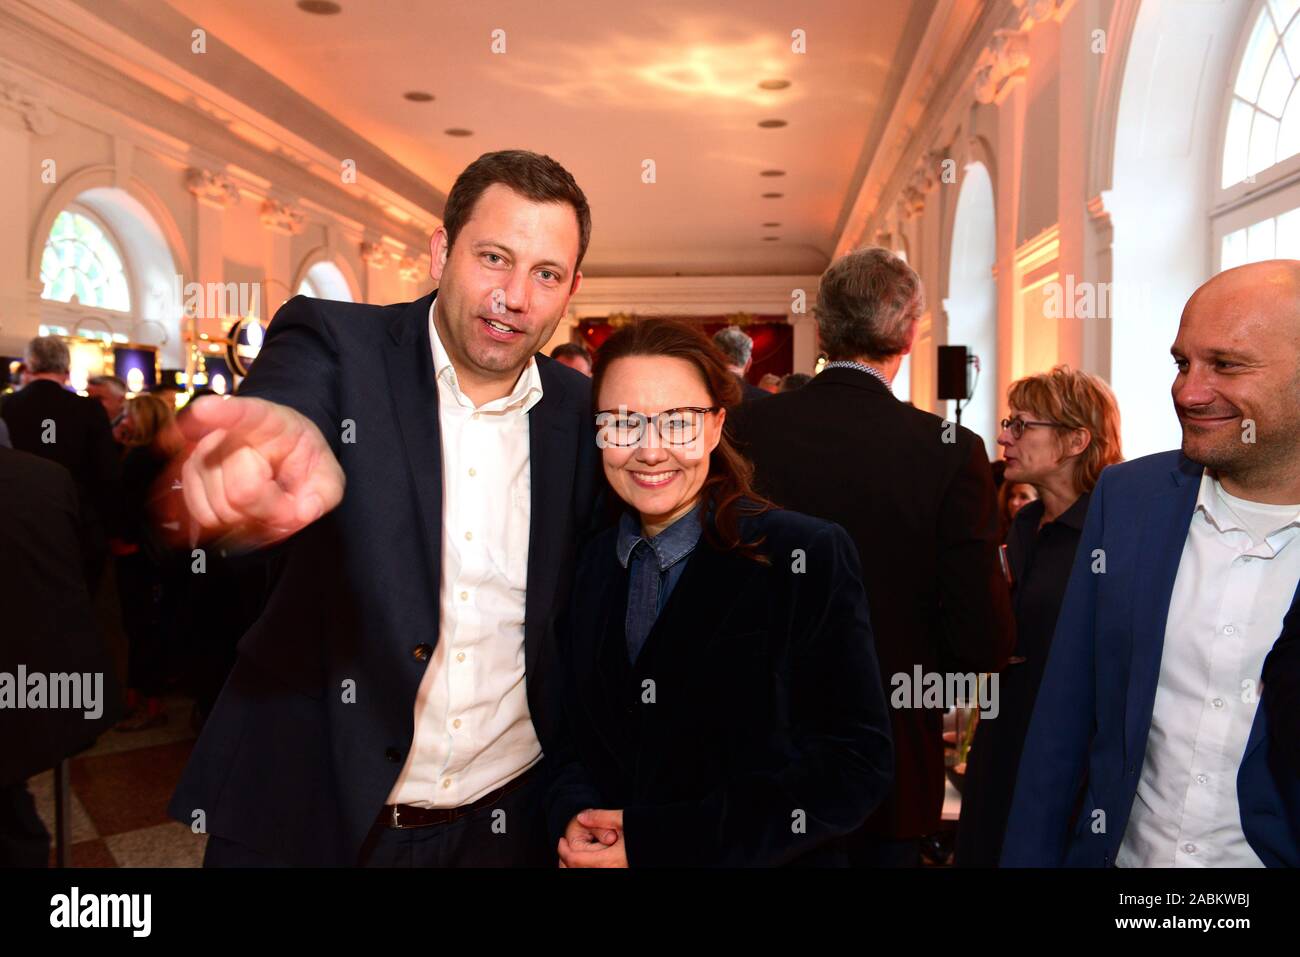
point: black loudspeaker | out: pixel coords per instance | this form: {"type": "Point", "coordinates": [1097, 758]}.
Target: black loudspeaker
{"type": "Point", "coordinates": [954, 372]}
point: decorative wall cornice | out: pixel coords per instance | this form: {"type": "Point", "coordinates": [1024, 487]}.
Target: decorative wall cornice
{"type": "Point", "coordinates": [374, 255]}
{"type": "Point", "coordinates": [281, 217]}
{"type": "Point", "coordinates": [36, 113]}
{"type": "Point", "coordinates": [214, 189]}
{"type": "Point", "coordinates": [1001, 64]}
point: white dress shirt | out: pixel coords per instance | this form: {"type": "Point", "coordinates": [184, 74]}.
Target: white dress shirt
{"type": "Point", "coordinates": [473, 730]}
{"type": "Point", "coordinates": [1235, 581]}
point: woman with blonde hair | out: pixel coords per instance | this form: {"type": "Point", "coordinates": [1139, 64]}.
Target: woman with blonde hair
{"type": "Point", "coordinates": [1062, 431]}
{"type": "Point", "coordinates": [151, 439]}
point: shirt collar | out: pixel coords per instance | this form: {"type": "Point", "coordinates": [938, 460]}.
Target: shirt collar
{"type": "Point", "coordinates": [1217, 511]}
{"type": "Point", "coordinates": [670, 546]}
{"type": "Point", "coordinates": [526, 393]}
{"type": "Point", "coordinates": [861, 367]}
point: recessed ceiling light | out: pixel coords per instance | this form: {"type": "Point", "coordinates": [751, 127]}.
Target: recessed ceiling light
{"type": "Point", "coordinates": [770, 239]}
{"type": "Point", "coordinates": [772, 172]}
{"type": "Point", "coordinates": [458, 131]}
{"type": "Point", "coordinates": [773, 195]}
{"type": "Point", "coordinates": [773, 84]}
{"type": "Point", "coordinates": [771, 124]}
{"type": "Point", "coordinates": [322, 7]}
{"type": "Point", "coordinates": [771, 225]}
{"type": "Point", "coordinates": [418, 96]}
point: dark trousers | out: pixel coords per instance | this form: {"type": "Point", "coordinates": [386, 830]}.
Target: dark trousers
{"type": "Point", "coordinates": [24, 842]}
{"type": "Point", "coordinates": [509, 833]}
{"type": "Point", "coordinates": [139, 588]}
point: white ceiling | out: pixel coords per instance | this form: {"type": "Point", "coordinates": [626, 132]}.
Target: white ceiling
{"type": "Point", "coordinates": [604, 89]}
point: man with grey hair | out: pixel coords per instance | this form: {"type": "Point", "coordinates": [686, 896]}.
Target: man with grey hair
{"type": "Point", "coordinates": [738, 348]}
{"type": "Point", "coordinates": [916, 494]}
{"type": "Point", "coordinates": [110, 392]}
{"type": "Point", "coordinates": [48, 420]}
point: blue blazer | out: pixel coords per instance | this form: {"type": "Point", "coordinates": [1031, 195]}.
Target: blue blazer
{"type": "Point", "coordinates": [1088, 736]}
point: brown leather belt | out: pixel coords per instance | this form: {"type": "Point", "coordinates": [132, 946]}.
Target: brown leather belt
{"type": "Point", "coordinates": [404, 816]}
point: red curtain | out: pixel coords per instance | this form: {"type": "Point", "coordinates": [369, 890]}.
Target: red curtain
{"type": "Point", "coordinates": [773, 341]}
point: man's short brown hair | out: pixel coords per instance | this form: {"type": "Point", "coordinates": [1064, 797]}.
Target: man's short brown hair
{"type": "Point", "coordinates": [531, 175]}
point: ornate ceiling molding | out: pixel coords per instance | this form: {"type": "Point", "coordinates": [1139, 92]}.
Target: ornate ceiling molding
{"type": "Point", "coordinates": [281, 217]}
{"type": "Point", "coordinates": [36, 113]}
{"type": "Point", "coordinates": [213, 189]}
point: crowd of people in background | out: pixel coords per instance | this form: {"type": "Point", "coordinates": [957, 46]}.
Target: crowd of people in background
{"type": "Point", "coordinates": [1114, 697]}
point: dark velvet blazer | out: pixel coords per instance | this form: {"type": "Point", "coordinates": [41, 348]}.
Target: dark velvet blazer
{"type": "Point", "coordinates": [752, 729]}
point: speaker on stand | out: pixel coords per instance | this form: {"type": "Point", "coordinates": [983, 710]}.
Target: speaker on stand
{"type": "Point", "coordinates": [958, 375]}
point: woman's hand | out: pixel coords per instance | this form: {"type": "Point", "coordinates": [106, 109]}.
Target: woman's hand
{"type": "Point", "coordinates": [594, 839]}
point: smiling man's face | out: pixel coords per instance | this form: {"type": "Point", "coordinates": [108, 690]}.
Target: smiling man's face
{"type": "Point", "coordinates": [1237, 390]}
{"type": "Point", "coordinates": [503, 287]}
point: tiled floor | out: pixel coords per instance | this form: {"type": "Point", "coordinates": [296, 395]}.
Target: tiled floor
{"type": "Point", "coordinates": [120, 789]}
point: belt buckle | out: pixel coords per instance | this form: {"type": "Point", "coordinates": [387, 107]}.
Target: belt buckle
{"type": "Point", "coordinates": [395, 822]}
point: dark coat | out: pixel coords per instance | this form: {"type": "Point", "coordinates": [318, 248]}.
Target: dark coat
{"type": "Point", "coordinates": [916, 496]}
{"type": "Point", "coordinates": [752, 729]}
{"type": "Point", "coordinates": [49, 623]}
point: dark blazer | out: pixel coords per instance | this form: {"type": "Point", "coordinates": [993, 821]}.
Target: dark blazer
{"type": "Point", "coordinates": [83, 444]}
{"type": "Point", "coordinates": [284, 766]}
{"type": "Point", "coordinates": [755, 703]}
{"type": "Point", "coordinates": [49, 623]}
{"type": "Point", "coordinates": [1040, 560]}
{"type": "Point", "coordinates": [750, 392]}
{"type": "Point", "coordinates": [923, 515]}
{"type": "Point", "coordinates": [1090, 725]}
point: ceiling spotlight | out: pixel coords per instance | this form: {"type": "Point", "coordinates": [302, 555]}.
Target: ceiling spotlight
{"type": "Point", "coordinates": [322, 7]}
{"type": "Point", "coordinates": [418, 96]}
{"type": "Point", "coordinates": [770, 239]}
{"type": "Point", "coordinates": [458, 131]}
{"type": "Point", "coordinates": [773, 195]}
{"type": "Point", "coordinates": [773, 84]}
{"type": "Point", "coordinates": [772, 172]}
{"type": "Point", "coordinates": [771, 225]}
{"type": "Point", "coordinates": [771, 124]}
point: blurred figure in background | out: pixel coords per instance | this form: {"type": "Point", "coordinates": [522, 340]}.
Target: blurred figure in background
{"type": "Point", "coordinates": [770, 383]}
{"type": "Point", "coordinates": [49, 628]}
{"type": "Point", "coordinates": [1062, 431]}
{"type": "Point", "coordinates": [110, 392]}
{"type": "Point", "coordinates": [1012, 497]}
{"type": "Point", "coordinates": [141, 560]}
{"type": "Point", "coordinates": [795, 380]}
{"type": "Point", "coordinates": [574, 355]}
{"type": "Point", "coordinates": [739, 350]}
{"type": "Point", "coordinates": [48, 420]}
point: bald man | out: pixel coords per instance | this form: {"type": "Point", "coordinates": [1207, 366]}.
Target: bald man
{"type": "Point", "coordinates": [1162, 735]}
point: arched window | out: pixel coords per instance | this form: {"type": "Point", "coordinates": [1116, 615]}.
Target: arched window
{"type": "Point", "coordinates": [1259, 183]}
{"type": "Point", "coordinates": [81, 259]}
{"type": "Point", "coordinates": [324, 280]}
{"type": "Point", "coordinates": [972, 303]}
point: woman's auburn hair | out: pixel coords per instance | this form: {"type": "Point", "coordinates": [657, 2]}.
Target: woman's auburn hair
{"type": "Point", "coordinates": [728, 491]}
{"type": "Point", "coordinates": [1076, 400]}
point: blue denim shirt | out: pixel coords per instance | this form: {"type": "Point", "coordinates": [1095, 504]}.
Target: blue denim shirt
{"type": "Point", "coordinates": [655, 565]}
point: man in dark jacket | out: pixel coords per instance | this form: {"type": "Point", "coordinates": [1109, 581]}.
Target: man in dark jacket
{"type": "Point", "coordinates": [916, 495]}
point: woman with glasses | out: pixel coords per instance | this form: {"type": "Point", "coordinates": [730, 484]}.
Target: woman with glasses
{"type": "Point", "coordinates": [1062, 431]}
{"type": "Point", "coordinates": [723, 701]}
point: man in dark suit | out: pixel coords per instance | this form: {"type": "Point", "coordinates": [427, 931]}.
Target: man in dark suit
{"type": "Point", "coordinates": [392, 704]}
{"type": "Point", "coordinates": [916, 495]}
{"type": "Point", "coordinates": [738, 347]}
{"type": "Point", "coordinates": [46, 419]}
{"type": "Point", "coordinates": [49, 629]}
{"type": "Point", "coordinates": [1154, 742]}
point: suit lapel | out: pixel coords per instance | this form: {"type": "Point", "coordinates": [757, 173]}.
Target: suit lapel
{"type": "Point", "coordinates": [552, 456]}
{"type": "Point", "coordinates": [1164, 533]}
{"type": "Point", "coordinates": [409, 359]}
